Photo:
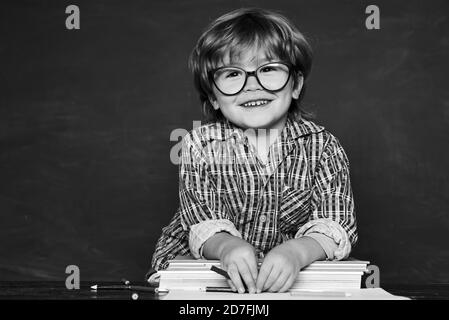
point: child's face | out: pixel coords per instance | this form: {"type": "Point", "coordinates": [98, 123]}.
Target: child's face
{"type": "Point", "coordinates": [269, 116]}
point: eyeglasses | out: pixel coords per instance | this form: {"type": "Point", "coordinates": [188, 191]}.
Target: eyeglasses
{"type": "Point", "coordinates": [271, 76]}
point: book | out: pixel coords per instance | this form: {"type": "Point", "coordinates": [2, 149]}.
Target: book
{"type": "Point", "coordinates": [195, 275]}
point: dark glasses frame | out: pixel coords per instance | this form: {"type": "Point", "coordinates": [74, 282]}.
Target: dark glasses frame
{"type": "Point", "coordinates": [252, 73]}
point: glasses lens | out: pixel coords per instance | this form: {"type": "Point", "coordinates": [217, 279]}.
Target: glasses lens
{"type": "Point", "coordinates": [273, 76]}
{"type": "Point", "coordinates": [229, 80]}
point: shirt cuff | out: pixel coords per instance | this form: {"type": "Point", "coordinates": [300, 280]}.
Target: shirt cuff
{"type": "Point", "coordinates": [328, 244]}
{"type": "Point", "coordinates": [331, 229]}
{"type": "Point", "coordinates": [201, 232]}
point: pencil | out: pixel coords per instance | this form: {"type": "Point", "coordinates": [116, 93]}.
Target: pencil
{"type": "Point", "coordinates": [125, 287]}
{"type": "Point", "coordinates": [220, 271]}
{"type": "Point", "coordinates": [219, 289]}
{"type": "Point", "coordinates": [226, 275]}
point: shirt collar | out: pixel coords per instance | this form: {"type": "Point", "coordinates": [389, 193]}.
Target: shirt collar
{"type": "Point", "coordinates": [301, 127]}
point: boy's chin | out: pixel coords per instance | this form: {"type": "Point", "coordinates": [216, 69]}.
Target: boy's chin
{"type": "Point", "coordinates": [257, 122]}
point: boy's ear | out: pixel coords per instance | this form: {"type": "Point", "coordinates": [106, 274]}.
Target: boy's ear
{"type": "Point", "coordinates": [214, 103]}
{"type": "Point", "coordinates": [297, 89]}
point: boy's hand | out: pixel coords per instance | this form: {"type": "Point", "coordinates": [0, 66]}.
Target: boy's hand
{"type": "Point", "coordinates": [238, 257]}
{"type": "Point", "coordinates": [279, 269]}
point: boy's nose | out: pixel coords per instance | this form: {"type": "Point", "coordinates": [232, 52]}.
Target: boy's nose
{"type": "Point", "coordinates": [252, 83]}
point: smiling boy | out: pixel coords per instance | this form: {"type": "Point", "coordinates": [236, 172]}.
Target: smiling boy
{"type": "Point", "coordinates": [285, 197]}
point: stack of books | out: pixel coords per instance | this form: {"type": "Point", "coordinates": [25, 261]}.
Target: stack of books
{"type": "Point", "coordinates": [196, 275]}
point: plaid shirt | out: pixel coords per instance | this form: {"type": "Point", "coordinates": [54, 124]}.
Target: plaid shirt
{"type": "Point", "coordinates": [304, 189]}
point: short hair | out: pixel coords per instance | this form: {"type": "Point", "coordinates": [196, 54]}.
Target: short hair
{"type": "Point", "coordinates": [242, 29]}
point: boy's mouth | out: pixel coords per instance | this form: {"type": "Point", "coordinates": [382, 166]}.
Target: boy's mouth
{"type": "Point", "coordinates": [255, 103]}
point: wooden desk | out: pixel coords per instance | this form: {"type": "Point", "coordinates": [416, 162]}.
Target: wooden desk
{"type": "Point", "coordinates": [57, 291]}
{"type": "Point", "coordinates": [52, 290]}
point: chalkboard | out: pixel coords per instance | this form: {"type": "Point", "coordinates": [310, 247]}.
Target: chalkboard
{"type": "Point", "coordinates": [86, 116]}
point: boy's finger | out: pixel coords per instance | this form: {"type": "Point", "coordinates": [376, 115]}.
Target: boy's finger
{"type": "Point", "coordinates": [264, 272]}
{"type": "Point", "coordinates": [272, 277]}
{"type": "Point", "coordinates": [287, 285]}
{"type": "Point", "coordinates": [279, 282]}
{"type": "Point", "coordinates": [252, 265]}
{"type": "Point", "coordinates": [231, 285]}
{"type": "Point", "coordinates": [247, 277]}
{"type": "Point", "coordinates": [234, 274]}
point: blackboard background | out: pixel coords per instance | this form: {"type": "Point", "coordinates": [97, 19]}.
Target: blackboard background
{"type": "Point", "coordinates": [86, 116]}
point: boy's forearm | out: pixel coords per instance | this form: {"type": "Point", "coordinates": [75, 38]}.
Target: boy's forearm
{"type": "Point", "coordinates": [307, 250]}
{"type": "Point", "coordinates": [213, 247]}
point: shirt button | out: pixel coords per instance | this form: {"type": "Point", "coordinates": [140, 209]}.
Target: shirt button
{"type": "Point", "coordinates": [263, 218]}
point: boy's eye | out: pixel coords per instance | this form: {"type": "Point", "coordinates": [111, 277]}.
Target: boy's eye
{"type": "Point", "coordinates": [268, 69]}
{"type": "Point", "coordinates": [232, 73]}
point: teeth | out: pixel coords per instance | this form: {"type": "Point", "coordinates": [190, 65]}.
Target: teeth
{"type": "Point", "coordinates": [255, 103]}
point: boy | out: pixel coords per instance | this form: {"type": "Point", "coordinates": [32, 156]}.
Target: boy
{"type": "Point", "coordinates": [259, 181]}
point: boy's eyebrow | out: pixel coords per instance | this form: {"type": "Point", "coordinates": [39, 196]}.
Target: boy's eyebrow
{"type": "Point", "coordinates": [239, 64]}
